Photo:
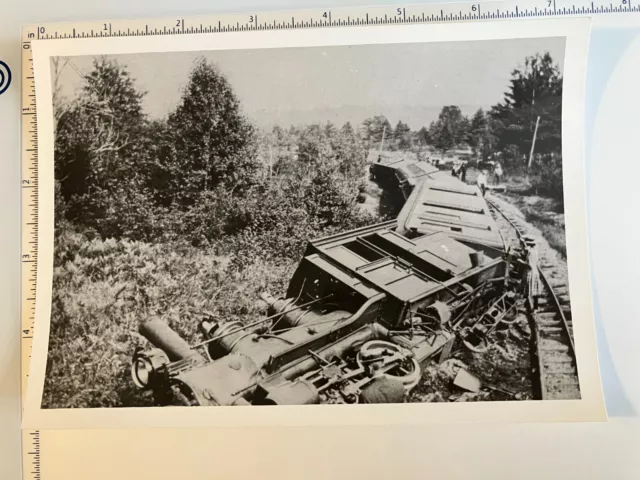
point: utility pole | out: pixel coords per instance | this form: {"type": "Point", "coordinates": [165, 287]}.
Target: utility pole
{"type": "Point", "coordinates": [384, 129]}
{"type": "Point", "coordinates": [533, 143]}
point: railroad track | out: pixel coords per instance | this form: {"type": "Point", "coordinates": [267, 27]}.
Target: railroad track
{"type": "Point", "coordinates": [552, 321]}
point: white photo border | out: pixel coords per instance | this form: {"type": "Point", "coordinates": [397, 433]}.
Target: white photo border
{"type": "Point", "coordinates": [589, 408]}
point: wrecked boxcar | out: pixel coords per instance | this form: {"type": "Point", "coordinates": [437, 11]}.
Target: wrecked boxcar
{"type": "Point", "coordinates": [364, 312]}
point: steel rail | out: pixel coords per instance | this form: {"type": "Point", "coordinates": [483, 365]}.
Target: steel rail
{"type": "Point", "coordinates": [545, 280]}
{"type": "Point", "coordinates": [555, 303]}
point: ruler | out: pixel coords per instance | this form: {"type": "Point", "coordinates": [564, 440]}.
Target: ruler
{"type": "Point", "coordinates": [248, 21]}
{"type": "Point", "coordinates": [339, 17]}
{"type": "Point", "coordinates": [29, 248]}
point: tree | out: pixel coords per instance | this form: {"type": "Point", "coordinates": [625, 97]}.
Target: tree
{"type": "Point", "coordinates": [477, 127]}
{"type": "Point", "coordinates": [280, 136]}
{"type": "Point", "coordinates": [213, 140]}
{"type": "Point", "coordinates": [57, 100]}
{"type": "Point", "coordinates": [331, 149]}
{"type": "Point", "coordinates": [97, 140]}
{"type": "Point", "coordinates": [535, 90]}
{"type": "Point", "coordinates": [330, 130]}
{"type": "Point", "coordinates": [373, 130]}
{"type": "Point", "coordinates": [450, 129]}
{"type": "Point", "coordinates": [350, 152]}
{"type": "Point", "coordinates": [347, 130]}
{"type": "Point", "coordinates": [423, 136]}
{"type": "Point", "coordinates": [402, 135]}
{"type": "Point", "coordinates": [480, 136]}
{"type": "Point", "coordinates": [314, 146]}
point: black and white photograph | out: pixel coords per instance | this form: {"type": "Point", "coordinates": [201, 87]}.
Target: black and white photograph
{"type": "Point", "coordinates": [354, 224]}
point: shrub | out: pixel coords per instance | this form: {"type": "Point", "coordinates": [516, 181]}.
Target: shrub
{"type": "Point", "coordinates": [546, 175]}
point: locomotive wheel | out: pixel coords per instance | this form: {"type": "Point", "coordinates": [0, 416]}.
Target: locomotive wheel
{"type": "Point", "coordinates": [385, 389]}
{"type": "Point", "coordinates": [408, 373]}
{"type": "Point", "coordinates": [510, 317]}
{"type": "Point", "coordinates": [481, 347]}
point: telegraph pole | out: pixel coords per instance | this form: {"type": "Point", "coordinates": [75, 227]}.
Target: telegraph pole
{"type": "Point", "coordinates": [384, 129]}
{"type": "Point", "coordinates": [533, 143]}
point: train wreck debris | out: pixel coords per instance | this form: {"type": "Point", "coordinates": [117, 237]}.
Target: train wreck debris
{"type": "Point", "coordinates": [365, 312]}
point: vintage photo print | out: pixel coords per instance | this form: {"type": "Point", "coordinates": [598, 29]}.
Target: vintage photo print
{"type": "Point", "coordinates": [318, 223]}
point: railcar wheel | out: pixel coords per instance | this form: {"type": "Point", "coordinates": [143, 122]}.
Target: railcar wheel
{"type": "Point", "coordinates": [407, 372]}
{"type": "Point", "coordinates": [481, 347]}
{"type": "Point", "coordinates": [511, 315]}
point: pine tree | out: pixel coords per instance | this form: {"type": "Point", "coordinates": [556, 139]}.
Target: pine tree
{"type": "Point", "coordinates": [347, 130]}
{"type": "Point", "coordinates": [535, 90]}
{"type": "Point", "coordinates": [423, 136]}
{"type": "Point", "coordinates": [402, 135]}
{"type": "Point", "coordinates": [450, 129]}
{"type": "Point", "coordinates": [480, 136]}
{"type": "Point", "coordinates": [213, 140]}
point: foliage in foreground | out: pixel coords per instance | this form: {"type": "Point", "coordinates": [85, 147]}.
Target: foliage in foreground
{"type": "Point", "coordinates": [546, 176]}
{"type": "Point", "coordinates": [103, 289]}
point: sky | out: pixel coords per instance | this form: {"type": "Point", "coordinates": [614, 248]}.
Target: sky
{"type": "Point", "coordinates": [296, 86]}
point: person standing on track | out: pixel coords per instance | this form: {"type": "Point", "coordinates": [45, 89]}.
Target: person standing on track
{"type": "Point", "coordinates": [463, 172]}
{"type": "Point", "coordinates": [498, 173]}
{"type": "Point", "coordinates": [534, 284]}
{"type": "Point", "coordinates": [481, 181]}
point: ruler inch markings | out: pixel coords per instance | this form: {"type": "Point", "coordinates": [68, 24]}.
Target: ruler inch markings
{"type": "Point", "coordinates": [31, 465]}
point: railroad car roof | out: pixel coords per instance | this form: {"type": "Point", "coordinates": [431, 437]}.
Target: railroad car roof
{"type": "Point", "coordinates": [406, 169]}
{"type": "Point", "coordinates": [443, 203]}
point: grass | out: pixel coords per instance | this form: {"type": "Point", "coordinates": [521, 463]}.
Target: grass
{"type": "Point", "coordinates": [544, 213]}
{"type": "Point", "coordinates": [104, 289]}
{"type": "Point", "coordinates": [551, 230]}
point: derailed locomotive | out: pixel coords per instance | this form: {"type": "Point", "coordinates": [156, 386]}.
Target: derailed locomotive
{"type": "Point", "coordinates": [364, 312]}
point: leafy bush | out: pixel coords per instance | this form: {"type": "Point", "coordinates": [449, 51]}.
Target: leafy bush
{"type": "Point", "coordinates": [546, 175]}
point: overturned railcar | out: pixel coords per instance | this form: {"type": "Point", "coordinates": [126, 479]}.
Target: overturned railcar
{"type": "Point", "coordinates": [401, 175]}
{"type": "Point", "coordinates": [364, 312]}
